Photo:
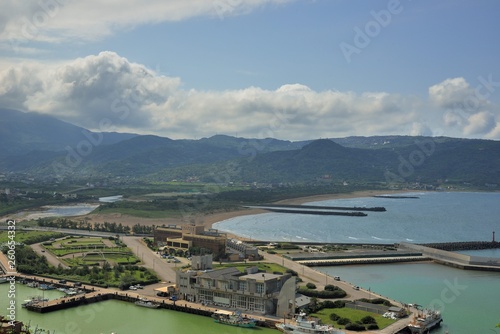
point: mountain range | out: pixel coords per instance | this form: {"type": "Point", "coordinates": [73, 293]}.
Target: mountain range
{"type": "Point", "coordinates": [45, 147]}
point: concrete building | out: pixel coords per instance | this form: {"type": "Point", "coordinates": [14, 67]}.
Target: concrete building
{"type": "Point", "coordinates": [252, 291]}
{"type": "Point", "coordinates": [201, 262]}
{"type": "Point", "coordinates": [245, 250]}
{"type": "Point", "coordinates": [191, 235]}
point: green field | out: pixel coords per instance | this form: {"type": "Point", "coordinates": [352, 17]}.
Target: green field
{"type": "Point", "coordinates": [90, 251]}
{"type": "Point", "coordinates": [353, 315]}
{"type": "Point", "coordinates": [263, 266]}
{"type": "Point", "coordinates": [29, 237]}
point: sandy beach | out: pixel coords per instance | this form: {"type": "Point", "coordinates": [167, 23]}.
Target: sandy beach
{"type": "Point", "coordinates": [210, 219]}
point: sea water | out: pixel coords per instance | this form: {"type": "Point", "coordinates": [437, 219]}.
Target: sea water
{"type": "Point", "coordinates": [469, 300]}
{"type": "Point", "coordinates": [432, 217]}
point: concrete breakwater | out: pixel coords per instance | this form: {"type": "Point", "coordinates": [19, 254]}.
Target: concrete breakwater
{"type": "Point", "coordinates": [321, 207]}
{"type": "Point", "coordinates": [455, 259]}
{"type": "Point", "coordinates": [317, 212]}
{"type": "Point", "coordinates": [464, 245]}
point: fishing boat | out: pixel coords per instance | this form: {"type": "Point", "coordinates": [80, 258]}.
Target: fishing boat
{"type": "Point", "coordinates": [233, 319]}
{"type": "Point", "coordinates": [424, 321]}
{"type": "Point", "coordinates": [302, 325]}
{"type": "Point", "coordinates": [147, 303]}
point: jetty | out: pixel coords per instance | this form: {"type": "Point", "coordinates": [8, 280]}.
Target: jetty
{"type": "Point", "coordinates": [457, 260]}
{"type": "Point", "coordinates": [317, 209]}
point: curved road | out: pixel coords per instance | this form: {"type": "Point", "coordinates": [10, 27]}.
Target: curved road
{"type": "Point", "coordinates": [150, 259]}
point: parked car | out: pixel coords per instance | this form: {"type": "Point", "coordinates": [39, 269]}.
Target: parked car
{"type": "Point", "coordinates": [356, 287]}
{"type": "Point", "coordinates": [337, 278]}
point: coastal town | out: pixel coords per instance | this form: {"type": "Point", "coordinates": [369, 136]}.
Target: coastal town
{"type": "Point", "coordinates": [232, 282]}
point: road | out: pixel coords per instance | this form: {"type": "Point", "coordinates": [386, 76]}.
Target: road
{"type": "Point", "coordinates": [150, 259]}
{"type": "Point", "coordinates": [51, 258]}
{"type": "Point", "coordinates": [319, 279]}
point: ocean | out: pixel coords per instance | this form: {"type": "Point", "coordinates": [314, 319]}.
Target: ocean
{"type": "Point", "coordinates": [432, 217]}
{"type": "Point", "coordinates": [469, 300]}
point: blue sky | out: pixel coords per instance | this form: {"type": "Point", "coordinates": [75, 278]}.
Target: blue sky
{"type": "Point", "coordinates": [263, 68]}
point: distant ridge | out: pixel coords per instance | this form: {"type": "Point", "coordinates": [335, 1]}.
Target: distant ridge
{"type": "Point", "coordinates": [33, 143]}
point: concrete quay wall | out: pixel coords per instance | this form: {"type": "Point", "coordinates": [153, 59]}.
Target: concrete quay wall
{"type": "Point", "coordinates": [455, 259]}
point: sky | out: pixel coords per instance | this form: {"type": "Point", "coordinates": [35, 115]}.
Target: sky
{"type": "Point", "coordinates": [287, 69]}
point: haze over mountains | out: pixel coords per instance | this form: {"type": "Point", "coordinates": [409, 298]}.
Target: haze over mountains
{"type": "Point", "coordinates": [48, 148]}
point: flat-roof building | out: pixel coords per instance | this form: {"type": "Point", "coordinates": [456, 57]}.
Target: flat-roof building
{"type": "Point", "coordinates": [191, 235]}
{"type": "Point", "coordinates": [253, 291]}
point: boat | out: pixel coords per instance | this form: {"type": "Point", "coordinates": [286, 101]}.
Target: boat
{"type": "Point", "coordinates": [34, 300]}
{"type": "Point", "coordinates": [302, 325]}
{"type": "Point", "coordinates": [147, 303]}
{"type": "Point", "coordinates": [233, 319]}
{"type": "Point", "coordinates": [424, 321]}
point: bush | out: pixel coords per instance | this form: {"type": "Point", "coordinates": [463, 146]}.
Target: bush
{"type": "Point", "coordinates": [311, 286]}
{"type": "Point", "coordinates": [355, 327]}
{"type": "Point", "coordinates": [334, 317]}
{"type": "Point", "coordinates": [372, 326]}
{"type": "Point", "coordinates": [333, 304]}
{"type": "Point", "coordinates": [383, 301]}
{"type": "Point", "coordinates": [323, 294]}
{"type": "Point", "coordinates": [344, 321]}
{"type": "Point", "coordinates": [368, 320]}
{"type": "Point", "coordinates": [331, 287]}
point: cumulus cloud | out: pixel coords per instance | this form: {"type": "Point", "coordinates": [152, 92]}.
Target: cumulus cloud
{"type": "Point", "coordinates": [87, 90]}
{"type": "Point", "coordinates": [451, 93]}
{"type": "Point", "coordinates": [480, 123]}
{"type": "Point", "coordinates": [109, 89]}
{"type": "Point", "coordinates": [66, 20]}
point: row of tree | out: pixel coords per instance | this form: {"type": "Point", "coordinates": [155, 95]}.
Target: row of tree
{"type": "Point", "coordinates": [84, 224]}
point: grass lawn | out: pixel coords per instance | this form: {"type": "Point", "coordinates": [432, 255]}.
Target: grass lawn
{"type": "Point", "coordinates": [23, 236]}
{"type": "Point", "coordinates": [263, 266]}
{"type": "Point", "coordinates": [354, 315]}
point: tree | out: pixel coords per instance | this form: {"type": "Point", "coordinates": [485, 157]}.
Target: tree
{"type": "Point", "coordinates": [311, 285]}
{"type": "Point", "coordinates": [126, 281]}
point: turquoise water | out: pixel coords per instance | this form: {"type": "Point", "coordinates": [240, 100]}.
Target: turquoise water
{"type": "Point", "coordinates": [469, 300]}
{"type": "Point", "coordinates": [114, 317]}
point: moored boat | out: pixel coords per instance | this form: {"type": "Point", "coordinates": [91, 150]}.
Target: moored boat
{"type": "Point", "coordinates": [233, 319]}
{"type": "Point", "coordinates": [302, 325]}
{"type": "Point", "coordinates": [147, 303]}
{"type": "Point", "coordinates": [424, 321]}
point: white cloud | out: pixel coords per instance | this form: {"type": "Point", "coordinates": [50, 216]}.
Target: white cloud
{"type": "Point", "coordinates": [451, 93]}
{"type": "Point", "coordinates": [69, 20]}
{"type": "Point", "coordinates": [109, 89]}
{"type": "Point", "coordinates": [480, 123]}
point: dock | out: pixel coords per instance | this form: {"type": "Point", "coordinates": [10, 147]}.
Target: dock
{"type": "Point", "coordinates": [456, 260]}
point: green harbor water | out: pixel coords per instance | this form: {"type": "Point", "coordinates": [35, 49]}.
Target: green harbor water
{"type": "Point", "coordinates": [113, 317]}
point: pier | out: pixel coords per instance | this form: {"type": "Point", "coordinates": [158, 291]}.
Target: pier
{"type": "Point", "coordinates": [457, 260]}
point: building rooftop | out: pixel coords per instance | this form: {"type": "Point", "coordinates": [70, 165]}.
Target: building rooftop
{"type": "Point", "coordinates": [262, 277]}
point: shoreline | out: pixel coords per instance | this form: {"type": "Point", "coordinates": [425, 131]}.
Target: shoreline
{"type": "Point", "coordinates": [208, 220]}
